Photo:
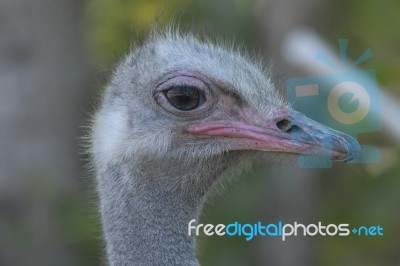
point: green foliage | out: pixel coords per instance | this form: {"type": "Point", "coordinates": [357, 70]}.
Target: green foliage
{"type": "Point", "coordinates": [370, 24]}
{"type": "Point", "coordinates": [114, 23]}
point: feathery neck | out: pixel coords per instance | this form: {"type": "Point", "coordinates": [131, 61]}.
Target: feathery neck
{"type": "Point", "coordinates": [145, 212]}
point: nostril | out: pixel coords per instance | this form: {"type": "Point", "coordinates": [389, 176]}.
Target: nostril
{"type": "Point", "coordinates": [286, 126]}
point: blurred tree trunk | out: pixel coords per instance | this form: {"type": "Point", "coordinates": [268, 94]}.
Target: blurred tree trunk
{"type": "Point", "coordinates": [42, 91]}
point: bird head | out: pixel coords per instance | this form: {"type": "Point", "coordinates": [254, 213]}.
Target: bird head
{"type": "Point", "coordinates": [178, 97]}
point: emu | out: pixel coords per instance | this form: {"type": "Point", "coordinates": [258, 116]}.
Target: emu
{"type": "Point", "coordinates": [179, 115]}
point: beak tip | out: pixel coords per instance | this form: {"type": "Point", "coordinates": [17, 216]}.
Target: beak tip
{"type": "Point", "coordinates": [353, 149]}
{"type": "Point", "coordinates": [342, 147]}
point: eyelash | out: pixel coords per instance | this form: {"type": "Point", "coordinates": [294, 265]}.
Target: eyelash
{"type": "Point", "coordinates": [207, 98]}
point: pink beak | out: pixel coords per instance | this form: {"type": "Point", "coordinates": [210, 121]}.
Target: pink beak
{"type": "Point", "coordinates": [294, 134]}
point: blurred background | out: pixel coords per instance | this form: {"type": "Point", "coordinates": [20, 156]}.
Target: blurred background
{"type": "Point", "coordinates": [55, 58]}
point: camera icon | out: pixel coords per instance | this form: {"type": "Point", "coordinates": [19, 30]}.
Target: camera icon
{"type": "Point", "coordinates": [346, 101]}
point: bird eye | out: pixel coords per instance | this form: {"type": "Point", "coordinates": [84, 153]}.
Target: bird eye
{"type": "Point", "coordinates": [184, 98]}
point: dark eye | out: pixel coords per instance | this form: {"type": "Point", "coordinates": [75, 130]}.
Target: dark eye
{"type": "Point", "coordinates": [184, 98]}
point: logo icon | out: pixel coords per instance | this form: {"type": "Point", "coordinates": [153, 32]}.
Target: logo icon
{"type": "Point", "coordinates": [346, 100]}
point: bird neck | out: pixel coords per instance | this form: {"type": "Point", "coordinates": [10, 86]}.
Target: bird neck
{"type": "Point", "coordinates": [145, 218]}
